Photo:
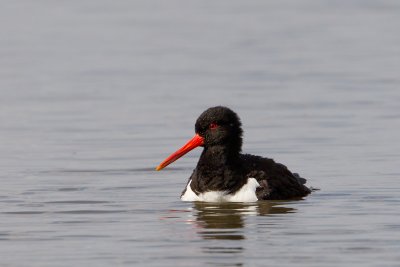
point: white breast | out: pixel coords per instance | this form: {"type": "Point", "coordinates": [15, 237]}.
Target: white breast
{"type": "Point", "coordinates": [246, 194]}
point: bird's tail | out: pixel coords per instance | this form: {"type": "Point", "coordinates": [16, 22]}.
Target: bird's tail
{"type": "Point", "coordinates": [300, 179]}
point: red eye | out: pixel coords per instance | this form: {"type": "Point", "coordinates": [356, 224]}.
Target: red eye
{"type": "Point", "coordinates": [213, 126]}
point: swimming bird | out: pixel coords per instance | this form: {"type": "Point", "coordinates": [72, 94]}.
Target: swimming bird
{"type": "Point", "coordinates": [223, 173]}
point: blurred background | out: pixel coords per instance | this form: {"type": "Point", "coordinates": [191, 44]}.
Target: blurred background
{"type": "Point", "coordinates": [94, 94]}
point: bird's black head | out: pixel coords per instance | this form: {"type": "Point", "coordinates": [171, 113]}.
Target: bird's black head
{"type": "Point", "coordinates": [220, 126]}
{"type": "Point", "coordinates": [217, 126]}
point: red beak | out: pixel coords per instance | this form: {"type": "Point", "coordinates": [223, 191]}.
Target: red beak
{"type": "Point", "coordinates": [196, 141]}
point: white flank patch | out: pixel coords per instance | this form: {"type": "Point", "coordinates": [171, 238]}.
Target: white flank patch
{"type": "Point", "coordinates": [246, 194]}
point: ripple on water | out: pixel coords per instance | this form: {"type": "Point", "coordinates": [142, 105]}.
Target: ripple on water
{"type": "Point", "coordinates": [77, 202]}
{"type": "Point", "coordinates": [90, 211]}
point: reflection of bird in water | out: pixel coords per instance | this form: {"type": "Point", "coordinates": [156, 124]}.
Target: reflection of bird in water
{"type": "Point", "coordinates": [266, 208]}
{"type": "Point", "coordinates": [224, 174]}
{"type": "Point", "coordinates": [225, 220]}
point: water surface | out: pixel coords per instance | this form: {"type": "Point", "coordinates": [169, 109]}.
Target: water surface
{"type": "Point", "coordinates": [95, 94]}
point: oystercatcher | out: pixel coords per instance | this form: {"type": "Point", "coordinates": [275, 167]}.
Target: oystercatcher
{"type": "Point", "coordinates": [224, 174]}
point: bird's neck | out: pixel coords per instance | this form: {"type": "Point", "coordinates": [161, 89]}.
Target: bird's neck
{"type": "Point", "coordinates": [218, 170]}
{"type": "Point", "coordinates": [218, 157]}
{"type": "Point", "coordinates": [218, 163]}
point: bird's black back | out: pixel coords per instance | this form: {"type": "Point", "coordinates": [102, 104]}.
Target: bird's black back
{"type": "Point", "coordinates": [276, 181]}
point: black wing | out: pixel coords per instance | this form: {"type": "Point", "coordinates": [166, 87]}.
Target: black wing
{"type": "Point", "coordinates": [276, 181]}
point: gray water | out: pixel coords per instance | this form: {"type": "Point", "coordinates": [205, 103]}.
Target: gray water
{"type": "Point", "coordinates": [94, 94]}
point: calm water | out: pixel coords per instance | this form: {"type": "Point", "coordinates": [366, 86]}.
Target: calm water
{"type": "Point", "coordinates": [94, 94]}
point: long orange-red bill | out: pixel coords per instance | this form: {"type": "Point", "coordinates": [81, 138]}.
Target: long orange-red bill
{"type": "Point", "coordinates": [196, 141]}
